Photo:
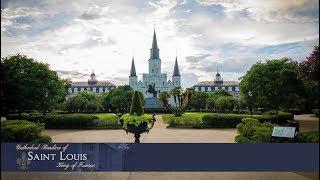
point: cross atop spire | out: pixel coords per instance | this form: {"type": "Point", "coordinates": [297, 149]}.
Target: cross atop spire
{"type": "Point", "coordinates": [133, 68]}
{"type": "Point", "coordinates": [154, 51]}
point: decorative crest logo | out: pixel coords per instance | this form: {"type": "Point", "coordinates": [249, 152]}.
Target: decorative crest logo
{"type": "Point", "coordinates": [23, 161]}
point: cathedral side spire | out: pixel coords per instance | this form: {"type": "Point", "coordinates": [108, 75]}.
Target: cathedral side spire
{"type": "Point", "coordinates": [176, 71]}
{"type": "Point", "coordinates": [133, 68]}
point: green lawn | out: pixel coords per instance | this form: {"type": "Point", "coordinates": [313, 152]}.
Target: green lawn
{"type": "Point", "coordinates": [107, 121]}
{"type": "Point", "coordinates": [109, 116]}
{"type": "Point", "coordinates": [187, 120]}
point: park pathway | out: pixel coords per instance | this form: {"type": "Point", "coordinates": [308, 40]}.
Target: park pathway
{"type": "Point", "coordinates": [158, 134]}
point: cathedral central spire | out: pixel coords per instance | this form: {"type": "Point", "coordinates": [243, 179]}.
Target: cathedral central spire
{"type": "Point", "coordinates": [154, 51]}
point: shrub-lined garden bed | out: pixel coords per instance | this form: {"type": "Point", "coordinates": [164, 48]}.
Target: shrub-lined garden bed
{"type": "Point", "coordinates": [23, 131]}
{"type": "Point", "coordinates": [215, 120]}
{"type": "Point", "coordinates": [308, 137]}
{"type": "Point", "coordinates": [250, 130]}
{"type": "Point", "coordinates": [73, 121]}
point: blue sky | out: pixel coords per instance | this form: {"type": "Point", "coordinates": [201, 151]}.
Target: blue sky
{"type": "Point", "coordinates": [77, 36]}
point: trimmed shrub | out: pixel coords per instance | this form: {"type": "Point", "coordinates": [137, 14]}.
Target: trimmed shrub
{"type": "Point", "coordinates": [232, 120]}
{"type": "Point", "coordinates": [74, 121]}
{"type": "Point", "coordinates": [136, 105]}
{"type": "Point", "coordinates": [223, 120]}
{"type": "Point", "coordinates": [135, 119]}
{"type": "Point", "coordinates": [33, 117]}
{"type": "Point", "coordinates": [281, 119]}
{"type": "Point", "coordinates": [22, 131]}
{"type": "Point", "coordinates": [252, 131]}
{"type": "Point", "coordinates": [308, 137]}
{"type": "Point", "coordinates": [69, 121]}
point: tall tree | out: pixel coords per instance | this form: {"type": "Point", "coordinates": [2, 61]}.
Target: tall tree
{"type": "Point", "coordinates": [119, 99]}
{"type": "Point", "coordinates": [309, 73]}
{"type": "Point", "coordinates": [272, 83]}
{"type": "Point", "coordinates": [198, 101]}
{"type": "Point", "coordinates": [28, 84]}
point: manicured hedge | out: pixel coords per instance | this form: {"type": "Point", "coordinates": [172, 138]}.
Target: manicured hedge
{"type": "Point", "coordinates": [215, 120]}
{"type": "Point", "coordinates": [74, 121]}
{"type": "Point", "coordinates": [232, 120]}
{"type": "Point", "coordinates": [69, 121]}
{"type": "Point", "coordinates": [23, 131]}
{"type": "Point", "coordinates": [223, 120]}
{"type": "Point", "coordinates": [308, 137]}
{"type": "Point", "coordinates": [33, 118]}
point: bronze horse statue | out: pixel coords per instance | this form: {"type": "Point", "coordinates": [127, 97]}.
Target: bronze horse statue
{"type": "Point", "coordinates": [152, 90]}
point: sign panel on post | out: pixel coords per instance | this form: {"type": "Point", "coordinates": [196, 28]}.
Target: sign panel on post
{"type": "Point", "coordinates": [285, 132]}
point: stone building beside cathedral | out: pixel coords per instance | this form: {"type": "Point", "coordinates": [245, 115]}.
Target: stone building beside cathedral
{"type": "Point", "coordinates": [154, 77]}
{"type": "Point", "coordinates": [92, 85]}
{"type": "Point", "coordinates": [218, 83]}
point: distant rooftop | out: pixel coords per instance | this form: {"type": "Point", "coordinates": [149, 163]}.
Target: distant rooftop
{"type": "Point", "coordinates": [99, 83]}
{"type": "Point", "coordinates": [211, 83]}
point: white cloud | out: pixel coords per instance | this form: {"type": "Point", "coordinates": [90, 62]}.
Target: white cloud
{"type": "Point", "coordinates": [77, 37]}
{"type": "Point", "coordinates": [9, 17]}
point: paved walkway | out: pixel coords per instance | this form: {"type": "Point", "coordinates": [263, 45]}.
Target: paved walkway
{"type": "Point", "coordinates": [158, 134]}
{"type": "Point", "coordinates": [307, 122]}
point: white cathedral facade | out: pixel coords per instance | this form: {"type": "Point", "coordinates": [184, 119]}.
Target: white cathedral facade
{"type": "Point", "coordinates": [155, 77]}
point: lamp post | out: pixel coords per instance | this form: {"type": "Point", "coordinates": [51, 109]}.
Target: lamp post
{"type": "Point", "coordinates": [250, 101]}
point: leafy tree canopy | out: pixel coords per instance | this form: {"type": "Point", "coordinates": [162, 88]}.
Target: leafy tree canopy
{"type": "Point", "coordinates": [28, 84]}
{"type": "Point", "coordinates": [273, 83]}
{"type": "Point", "coordinates": [119, 99]}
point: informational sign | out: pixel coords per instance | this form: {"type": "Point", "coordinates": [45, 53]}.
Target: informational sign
{"type": "Point", "coordinates": [285, 132]}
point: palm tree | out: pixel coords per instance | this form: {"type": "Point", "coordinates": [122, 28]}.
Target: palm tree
{"type": "Point", "coordinates": [181, 99]}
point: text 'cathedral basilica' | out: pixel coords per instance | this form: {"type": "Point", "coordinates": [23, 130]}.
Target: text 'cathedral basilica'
{"type": "Point", "coordinates": [154, 79]}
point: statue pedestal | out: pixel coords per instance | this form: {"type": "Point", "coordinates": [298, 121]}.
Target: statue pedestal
{"type": "Point", "coordinates": [152, 103]}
